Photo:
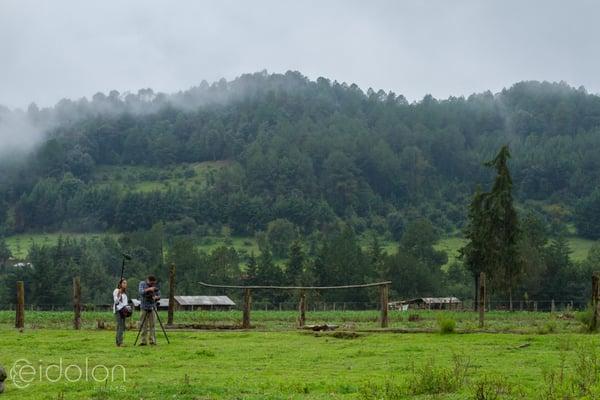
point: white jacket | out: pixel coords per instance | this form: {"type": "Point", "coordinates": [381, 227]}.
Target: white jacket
{"type": "Point", "coordinates": [119, 300]}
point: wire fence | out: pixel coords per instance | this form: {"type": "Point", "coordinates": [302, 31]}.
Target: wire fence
{"type": "Point", "coordinates": [466, 305]}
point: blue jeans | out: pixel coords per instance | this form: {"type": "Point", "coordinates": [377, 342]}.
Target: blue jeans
{"type": "Point", "coordinates": [120, 327]}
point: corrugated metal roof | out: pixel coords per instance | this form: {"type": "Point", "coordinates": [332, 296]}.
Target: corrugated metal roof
{"type": "Point", "coordinates": [434, 300]}
{"type": "Point", "coordinates": [161, 302]}
{"type": "Point", "coordinates": [204, 301]}
{"type": "Point", "coordinates": [195, 301]}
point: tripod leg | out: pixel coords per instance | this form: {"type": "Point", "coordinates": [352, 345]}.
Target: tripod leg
{"type": "Point", "coordinates": [161, 325]}
{"type": "Point", "coordinates": [141, 327]}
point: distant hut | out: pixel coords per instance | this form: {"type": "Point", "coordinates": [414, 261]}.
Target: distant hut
{"type": "Point", "coordinates": [204, 303]}
{"type": "Point", "coordinates": [190, 303]}
{"type": "Point", "coordinates": [427, 303]}
{"type": "Point", "coordinates": [163, 304]}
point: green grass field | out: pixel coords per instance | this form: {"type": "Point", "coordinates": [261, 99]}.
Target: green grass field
{"type": "Point", "coordinates": [297, 365]}
{"type": "Point", "coordinates": [147, 179]}
{"type": "Point", "coordinates": [247, 244]}
{"type": "Point", "coordinates": [579, 246]}
{"type": "Point", "coordinates": [19, 245]}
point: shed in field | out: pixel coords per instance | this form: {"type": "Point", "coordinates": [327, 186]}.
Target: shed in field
{"type": "Point", "coordinates": [163, 304]}
{"type": "Point", "coordinates": [427, 303]}
{"type": "Point", "coordinates": [190, 303]}
{"type": "Point", "coordinates": [204, 303]}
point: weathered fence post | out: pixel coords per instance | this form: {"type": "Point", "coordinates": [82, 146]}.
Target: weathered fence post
{"type": "Point", "coordinates": [552, 306]}
{"type": "Point", "coordinates": [247, 306]}
{"type": "Point", "coordinates": [171, 294]}
{"type": "Point", "coordinates": [20, 318]}
{"type": "Point", "coordinates": [302, 307]}
{"type": "Point", "coordinates": [481, 298]}
{"type": "Point", "coordinates": [383, 293]}
{"type": "Point", "coordinates": [595, 298]}
{"type": "Point", "coordinates": [77, 303]}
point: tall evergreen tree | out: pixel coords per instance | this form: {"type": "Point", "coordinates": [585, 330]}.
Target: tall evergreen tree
{"type": "Point", "coordinates": [493, 230]}
{"type": "Point", "coordinates": [251, 269]}
{"type": "Point", "coordinates": [295, 265]}
{"type": "Point", "coordinates": [474, 252]}
{"type": "Point", "coordinates": [377, 257]}
{"type": "Point", "coordinates": [5, 252]}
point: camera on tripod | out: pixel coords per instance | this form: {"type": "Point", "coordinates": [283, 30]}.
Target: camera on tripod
{"type": "Point", "coordinates": [149, 296]}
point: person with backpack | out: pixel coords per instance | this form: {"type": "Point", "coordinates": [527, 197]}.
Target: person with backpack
{"type": "Point", "coordinates": [121, 309]}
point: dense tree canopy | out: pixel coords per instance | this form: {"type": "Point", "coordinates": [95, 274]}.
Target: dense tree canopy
{"type": "Point", "coordinates": [306, 151]}
{"type": "Point", "coordinates": [309, 168]}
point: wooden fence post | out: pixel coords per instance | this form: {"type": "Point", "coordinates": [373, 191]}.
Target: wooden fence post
{"type": "Point", "coordinates": [20, 317]}
{"type": "Point", "coordinates": [302, 307]}
{"type": "Point", "coordinates": [77, 303]}
{"type": "Point", "coordinates": [247, 307]}
{"type": "Point", "coordinates": [383, 292]}
{"type": "Point", "coordinates": [171, 294]}
{"type": "Point", "coordinates": [481, 298]}
{"type": "Point", "coordinates": [595, 297]}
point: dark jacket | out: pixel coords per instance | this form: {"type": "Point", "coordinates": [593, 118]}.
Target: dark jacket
{"type": "Point", "coordinates": [145, 298]}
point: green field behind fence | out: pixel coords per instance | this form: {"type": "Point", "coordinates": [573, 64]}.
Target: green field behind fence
{"type": "Point", "coordinates": [20, 244]}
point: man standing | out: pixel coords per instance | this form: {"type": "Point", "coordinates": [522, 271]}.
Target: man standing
{"type": "Point", "coordinates": [149, 297]}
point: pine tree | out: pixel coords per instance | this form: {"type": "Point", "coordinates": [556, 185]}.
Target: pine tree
{"type": "Point", "coordinates": [295, 265]}
{"type": "Point", "coordinates": [473, 253]}
{"type": "Point", "coordinates": [251, 269]}
{"type": "Point", "coordinates": [493, 230]}
{"type": "Point", "coordinates": [269, 274]}
{"type": "Point", "coordinates": [5, 253]}
{"type": "Point", "coordinates": [504, 223]}
{"type": "Point", "coordinates": [377, 257]}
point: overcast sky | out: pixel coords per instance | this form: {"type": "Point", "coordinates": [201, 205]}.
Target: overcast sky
{"type": "Point", "coordinates": [55, 49]}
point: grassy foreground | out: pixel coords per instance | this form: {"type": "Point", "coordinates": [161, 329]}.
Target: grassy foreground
{"type": "Point", "coordinates": [296, 365]}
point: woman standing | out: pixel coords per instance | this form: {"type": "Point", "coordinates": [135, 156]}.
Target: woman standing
{"type": "Point", "coordinates": [120, 309]}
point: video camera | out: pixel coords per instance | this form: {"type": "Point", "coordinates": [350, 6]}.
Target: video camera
{"type": "Point", "coordinates": [149, 296]}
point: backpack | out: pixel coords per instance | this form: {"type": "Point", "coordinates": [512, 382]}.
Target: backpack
{"type": "Point", "coordinates": [125, 312]}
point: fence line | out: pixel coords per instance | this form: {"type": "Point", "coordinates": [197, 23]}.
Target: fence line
{"type": "Point", "coordinates": [467, 305]}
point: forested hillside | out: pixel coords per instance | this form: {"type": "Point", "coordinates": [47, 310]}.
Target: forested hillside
{"type": "Point", "coordinates": [304, 151]}
{"type": "Point", "coordinates": [270, 151]}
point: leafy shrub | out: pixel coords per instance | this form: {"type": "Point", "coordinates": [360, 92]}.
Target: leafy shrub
{"type": "Point", "coordinates": [548, 327]}
{"type": "Point", "coordinates": [494, 388]}
{"type": "Point", "coordinates": [414, 317]}
{"type": "Point", "coordinates": [431, 379]}
{"type": "Point", "coordinates": [446, 325]}
{"type": "Point", "coordinates": [390, 390]}
{"type": "Point", "coordinates": [585, 317]}
{"type": "Point", "coordinates": [428, 379]}
{"type": "Point", "coordinates": [582, 382]}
